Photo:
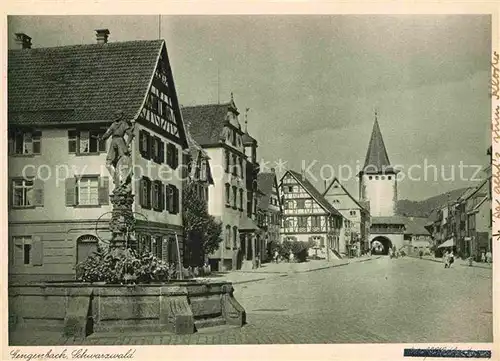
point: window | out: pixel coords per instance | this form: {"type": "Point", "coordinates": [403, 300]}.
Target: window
{"type": "Point", "coordinates": [88, 191]}
{"type": "Point", "coordinates": [22, 250]}
{"type": "Point", "coordinates": [370, 177]}
{"type": "Point", "coordinates": [228, 237]}
{"type": "Point", "coordinates": [382, 177]}
{"type": "Point", "coordinates": [249, 203]}
{"type": "Point", "coordinates": [228, 194]}
{"type": "Point", "coordinates": [23, 193]}
{"type": "Point", "coordinates": [235, 165]}
{"type": "Point", "coordinates": [235, 237]}
{"type": "Point", "coordinates": [241, 167]}
{"type": "Point", "coordinates": [290, 189]}
{"type": "Point", "coordinates": [241, 199]}
{"type": "Point", "coordinates": [376, 177]}
{"type": "Point", "coordinates": [235, 197]}
{"type": "Point", "coordinates": [302, 223]}
{"type": "Point", "coordinates": [172, 200]}
{"type": "Point", "coordinates": [157, 196]}
{"type": "Point", "coordinates": [157, 246]}
{"type": "Point", "coordinates": [86, 141]}
{"type": "Point", "coordinates": [389, 177]}
{"type": "Point", "coordinates": [316, 221]}
{"type": "Point", "coordinates": [301, 203]}
{"type": "Point", "coordinates": [172, 156]}
{"type": "Point", "coordinates": [27, 142]}
{"type": "Point", "coordinates": [352, 213]}
{"type": "Point", "coordinates": [145, 193]}
{"type": "Point", "coordinates": [233, 138]}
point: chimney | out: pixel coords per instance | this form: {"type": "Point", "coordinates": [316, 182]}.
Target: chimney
{"type": "Point", "coordinates": [102, 36]}
{"type": "Point", "coordinates": [23, 41]}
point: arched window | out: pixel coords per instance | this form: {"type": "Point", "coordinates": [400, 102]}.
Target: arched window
{"type": "Point", "coordinates": [86, 245]}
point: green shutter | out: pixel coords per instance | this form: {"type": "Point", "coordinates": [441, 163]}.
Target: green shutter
{"type": "Point", "coordinates": [71, 191]}
{"type": "Point", "coordinates": [38, 192]}
{"type": "Point", "coordinates": [37, 251]}
{"type": "Point", "coordinates": [103, 190]}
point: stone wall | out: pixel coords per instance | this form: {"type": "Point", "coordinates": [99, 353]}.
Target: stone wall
{"type": "Point", "coordinates": [79, 309]}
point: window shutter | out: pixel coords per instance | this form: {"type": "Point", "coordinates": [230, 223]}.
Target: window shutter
{"type": "Point", "coordinates": [148, 186]}
{"type": "Point", "coordinates": [175, 158]}
{"type": "Point", "coordinates": [141, 140]}
{"type": "Point", "coordinates": [161, 152]}
{"type": "Point", "coordinates": [175, 202]}
{"type": "Point", "coordinates": [38, 192]}
{"type": "Point", "coordinates": [103, 190]}
{"type": "Point", "coordinates": [149, 153]}
{"type": "Point", "coordinates": [168, 198]}
{"type": "Point", "coordinates": [161, 196]}
{"type": "Point", "coordinates": [37, 251]}
{"type": "Point", "coordinates": [70, 191]}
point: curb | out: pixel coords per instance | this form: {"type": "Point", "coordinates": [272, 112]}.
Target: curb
{"type": "Point", "coordinates": [461, 264]}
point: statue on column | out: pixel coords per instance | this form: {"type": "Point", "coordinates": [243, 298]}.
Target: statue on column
{"type": "Point", "coordinates": [118, 160]}
{"type": "Point", "coordinates": [119, 165]}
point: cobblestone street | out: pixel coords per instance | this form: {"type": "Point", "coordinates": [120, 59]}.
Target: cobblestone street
{"type": "Point", "coordinates": [382, 300]}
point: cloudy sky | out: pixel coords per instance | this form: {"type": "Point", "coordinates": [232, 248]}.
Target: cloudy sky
{"type": "Point", "coordinates": [312, 83]}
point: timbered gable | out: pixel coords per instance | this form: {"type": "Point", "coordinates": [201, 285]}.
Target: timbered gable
{"type": "Point", "coordinates": [161, 111]}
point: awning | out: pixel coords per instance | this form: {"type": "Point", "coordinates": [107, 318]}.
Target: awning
{"type": "Point", "coordinates": [449, 243]}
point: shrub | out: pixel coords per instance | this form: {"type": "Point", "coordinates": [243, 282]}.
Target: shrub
{"type": "Point", "coordinates": [124, 268]}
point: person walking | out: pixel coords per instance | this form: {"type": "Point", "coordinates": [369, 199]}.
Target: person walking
{"type": "Point", "coordinates": [483, 257]}
{"type": "Point", "coordinates": [451, 259]}
{"type": "Point", "coordinates": [488, 257]}
{"type": "Point", "coordinates": [446, 259]}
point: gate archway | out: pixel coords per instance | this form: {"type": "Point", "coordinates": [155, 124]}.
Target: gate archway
{"type": "Point", "coordinates": [380, 245]}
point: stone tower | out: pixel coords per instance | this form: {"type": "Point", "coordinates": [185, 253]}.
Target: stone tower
{"type": "Point", "coordinates": [377, 179]}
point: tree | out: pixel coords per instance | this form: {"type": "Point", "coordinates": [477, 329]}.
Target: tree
{"type": "Point", "coordinates": [202, 231]}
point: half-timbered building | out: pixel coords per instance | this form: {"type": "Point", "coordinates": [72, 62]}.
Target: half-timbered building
{"type": "Point", "coordinates": [60, 100]}
{"type": "Point", "coordinates": [307, 216]}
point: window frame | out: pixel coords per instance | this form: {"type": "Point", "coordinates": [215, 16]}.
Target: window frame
{"type": "Point", "coordinates": [35, 142]}
{"type": "Point", "coordinates": [74, 137]}
{"type": "Point", "coordinates": [25, 189]}
{"type": "Point", "coordinates": [78, 188]}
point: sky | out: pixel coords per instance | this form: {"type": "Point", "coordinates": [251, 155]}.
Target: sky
{"type": "Point", "coordinates": [312, 84]}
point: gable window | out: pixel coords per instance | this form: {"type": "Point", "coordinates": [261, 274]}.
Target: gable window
{"type": "Point", "coordinates": [86, 141]}
{"type": "Point", "coordinates": [25, 142]}
{"type": "Point", "coordinates": [301, 203]}
{"type": "Point", "coordinates": [353, 213]}
{"type": "Point", "coordinates": [290, 189]}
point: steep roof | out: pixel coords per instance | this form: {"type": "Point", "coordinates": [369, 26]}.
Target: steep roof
{"type": "Point", "coordinates": [376, 159]}
{"type": "Point", "coordinates": [80, 83]}
{"type": "Point", "coordinates": [247, 139]}
{"type": "Point", "coordinates": [265, 182]}
{"type": "Point", "coordinates": [314, 192]}
{"type": "Point", "coordinates": [346, 192]}
{"type": "Point", "coordinates": [206, 122]}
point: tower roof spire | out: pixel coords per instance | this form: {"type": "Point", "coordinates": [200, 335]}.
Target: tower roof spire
{"type": "Point", "coordinates": [377, 160]}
